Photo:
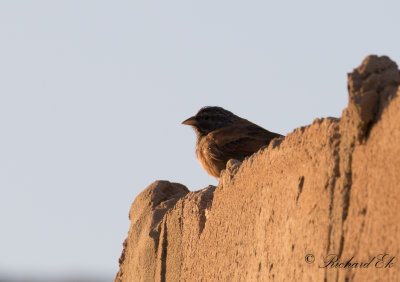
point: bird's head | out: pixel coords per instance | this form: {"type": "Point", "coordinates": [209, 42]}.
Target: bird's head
{"type": "Point", "coordinates": [209, 119]}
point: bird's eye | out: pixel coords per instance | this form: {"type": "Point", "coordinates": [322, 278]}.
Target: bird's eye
{"type": "Point", "coordinates": [206, 118]}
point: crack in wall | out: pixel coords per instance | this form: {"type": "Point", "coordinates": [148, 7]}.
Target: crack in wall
{"type": "Point", "coordinates": [300, 187]}
{"type": "Point", "coordinates": [164, 251]}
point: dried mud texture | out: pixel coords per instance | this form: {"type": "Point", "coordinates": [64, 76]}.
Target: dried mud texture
{"type": "Point", "coordinates": [327, 188]}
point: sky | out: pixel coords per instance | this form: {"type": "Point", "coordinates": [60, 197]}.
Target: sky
{"type": "Point", "coordinates": [93, 93]}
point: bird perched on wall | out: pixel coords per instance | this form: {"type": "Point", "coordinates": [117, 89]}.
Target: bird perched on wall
{"type": "Point", "coordinates": [222, 135]}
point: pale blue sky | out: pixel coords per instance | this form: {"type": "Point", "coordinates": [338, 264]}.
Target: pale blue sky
{"type": "Point", "coordinates": [92, 94]}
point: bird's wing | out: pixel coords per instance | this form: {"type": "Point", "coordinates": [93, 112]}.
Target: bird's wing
{"type": "Point", "coordinates": [241, 139]}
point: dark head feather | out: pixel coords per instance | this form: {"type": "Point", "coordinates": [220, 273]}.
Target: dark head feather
{"type": "Point", "coordinates": [209, 119]}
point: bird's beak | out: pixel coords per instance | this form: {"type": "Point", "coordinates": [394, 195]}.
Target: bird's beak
{"type": "Point", "coordinates": [190, 121]}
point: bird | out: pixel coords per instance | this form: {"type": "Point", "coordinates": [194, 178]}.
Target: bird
{"type": "Point", "coordinates": [222, 135]}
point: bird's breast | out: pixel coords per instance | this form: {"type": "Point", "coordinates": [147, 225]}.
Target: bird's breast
{"type": "Point", "coordinates": [204, 155]}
